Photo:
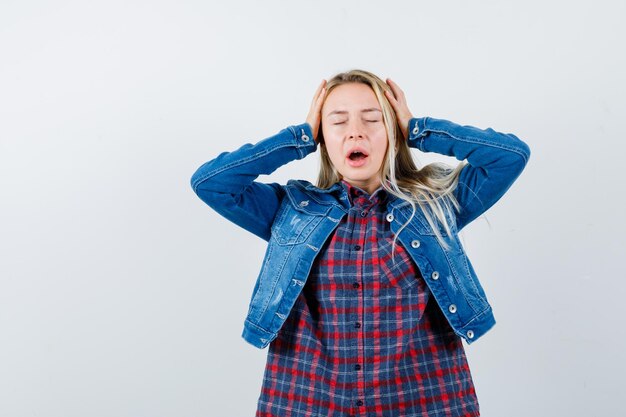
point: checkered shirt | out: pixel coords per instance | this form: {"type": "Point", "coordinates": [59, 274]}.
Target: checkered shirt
{"type": "Point", "coordinates": [365, 337]}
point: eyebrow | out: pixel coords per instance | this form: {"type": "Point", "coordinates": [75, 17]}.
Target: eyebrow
{"type": "Point", "coordinates": [371, 109]}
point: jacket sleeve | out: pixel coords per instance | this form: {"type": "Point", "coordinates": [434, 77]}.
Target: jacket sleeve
{"type": "Point", "coordinates": [227, 183]}
{"type": "Point", "coordinates": [494, 161]}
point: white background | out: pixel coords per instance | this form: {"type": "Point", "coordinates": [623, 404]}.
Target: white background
{"type": "Point", "coordinates": [122, 294]}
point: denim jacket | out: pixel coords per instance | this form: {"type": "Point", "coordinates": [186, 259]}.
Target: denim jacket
{"type": "Point", "coordinates": [297, 218]}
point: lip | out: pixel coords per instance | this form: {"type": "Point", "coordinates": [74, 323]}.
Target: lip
{"type": "Point", "coordinates": [357, 149]}
{"type": "Point", "coordinates": [359, 162]}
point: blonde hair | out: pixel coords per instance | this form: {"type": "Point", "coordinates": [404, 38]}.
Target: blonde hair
{"type": "Point", "coordinates": [429, 188]}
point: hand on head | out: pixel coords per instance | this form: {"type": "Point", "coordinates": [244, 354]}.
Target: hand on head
{"type": "Point", "coordinates": [396, 99]}
{"type": "Point", "coordinates": [398, 102]}
{"type": "Point", "coordinates": [314, 117]}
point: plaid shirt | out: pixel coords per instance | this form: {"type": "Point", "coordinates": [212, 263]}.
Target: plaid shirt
{"type": "Point", "coordinates": [365, 338]}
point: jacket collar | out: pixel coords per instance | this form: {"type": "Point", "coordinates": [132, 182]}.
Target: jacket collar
{"type": "Point", "coordinates": [340, 192]}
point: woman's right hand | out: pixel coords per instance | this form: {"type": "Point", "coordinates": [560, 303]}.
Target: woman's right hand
{"type": "Point", "coordinates": [314, 117]}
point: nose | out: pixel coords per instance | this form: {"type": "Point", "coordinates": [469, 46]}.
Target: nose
{"type": "Point", "coordinates": [355, 129]}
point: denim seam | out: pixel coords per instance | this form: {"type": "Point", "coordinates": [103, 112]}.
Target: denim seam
{"type": "Point", "coordinates": [240, 162]}
{"type": "Point", "coordinates": [256, 326]}
{"type": "Point", "coordinates": [465, 292]}
{"type": "Point", "coordinates": [478, 316]}
{"type": "Point", "coordinates": [484, 143]}
{"type": "Point", "coordinates": [279, 273]}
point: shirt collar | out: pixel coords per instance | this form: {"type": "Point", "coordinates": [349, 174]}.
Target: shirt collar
{"type": "Point", "coordinates": [356, 194]}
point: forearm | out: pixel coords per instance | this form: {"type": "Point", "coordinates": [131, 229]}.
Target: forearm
{"type": "Point", "coordinates": [481, 148]}
{"type": "Point", "coordinates": [495, 160]}
{"type": "Point", "coordinates": [227, 182]}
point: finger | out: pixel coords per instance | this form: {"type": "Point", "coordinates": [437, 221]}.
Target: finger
{"type": "Point", "coordinates": [320, 100]}
{"type": "Point", "coordinates": [319, 94]}
{"type": "Point", "coordinates": [392, 100]}
{"type": "Point", "coordinates": [397, 91]}
{"type": "Point", "coordinates": [319, 90]}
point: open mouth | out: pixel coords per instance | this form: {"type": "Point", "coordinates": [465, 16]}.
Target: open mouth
{"type": "Point", "coordinates": [356, 157]}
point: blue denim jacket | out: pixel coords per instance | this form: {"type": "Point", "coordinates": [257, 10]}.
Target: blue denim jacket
{"type": "Point", "coordinates": [297, 218]}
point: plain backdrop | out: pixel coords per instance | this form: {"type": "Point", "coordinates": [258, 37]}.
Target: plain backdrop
{"type": "Point", "coordinates": [122, 294]}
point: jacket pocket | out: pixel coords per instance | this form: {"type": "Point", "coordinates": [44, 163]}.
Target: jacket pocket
{"type": "Point", "coordinates": [294, 224]}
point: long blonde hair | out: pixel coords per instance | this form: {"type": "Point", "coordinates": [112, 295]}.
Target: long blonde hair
{"type": "Point", "coordinates": [429, 188]}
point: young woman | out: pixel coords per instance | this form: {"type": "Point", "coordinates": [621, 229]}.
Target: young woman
{"type": "Point", "coordinates": [365, 292]}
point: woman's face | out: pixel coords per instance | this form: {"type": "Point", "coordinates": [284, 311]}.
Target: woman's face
{"type": "Point", "coordinates": [355, 134]}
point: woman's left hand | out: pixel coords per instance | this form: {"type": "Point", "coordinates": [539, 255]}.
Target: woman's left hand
{"type": "Point", "coordinates": [398, 102]}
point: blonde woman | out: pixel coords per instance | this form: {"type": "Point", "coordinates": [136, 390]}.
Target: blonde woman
{"type": "Point", "coordinates": [365, 292]}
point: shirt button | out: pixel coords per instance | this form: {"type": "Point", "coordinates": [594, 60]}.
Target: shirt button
{"type": "Point", "coordinates": [359, 403]}
{"type": "Point", "coordinates": [304, 203]}
{"type": "Point", "coordinates": [435, 275]}
{"type": "Point", "coordinates": [356, 285]}
{"type": "Point", "coordinates": [470, 334]}
{"type": "Point", "coordinates": [416, 129]}
{"type": "Point", "coordinates": [357, 325]}
{"type": "Point", "coordinates": [357, 247]}
{"type": "Point", "coordinates": [390, 217]}
{"type": "Point", "coordinates": [452, 308]}
{"type": "Point", "coordinates": [305, 138]}
{"type": "Point", "coordinates": [415, 243]}
{"type": "Point", "coordinates": [357, 367]}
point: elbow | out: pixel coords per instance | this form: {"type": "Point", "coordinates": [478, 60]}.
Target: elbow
{"type": "Point", "coordinates": [512, 161]}
{"type": "Point", "coordinates": [517, 163]}
{"type": "Point", "coordinates": [205, 187]}
{"type": "Point", "coordinates": [200, 179]}
{"type": "Point", "coordinates": [515, 155]}
{"type": "Point", "coordinates": [522, 150]}
{"type": "Point", "coordinates": [192, 183]}
{"type": "Point", "coordinates": [195, 181]}
{"type": "Point", "coordinates": [524, 156]}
